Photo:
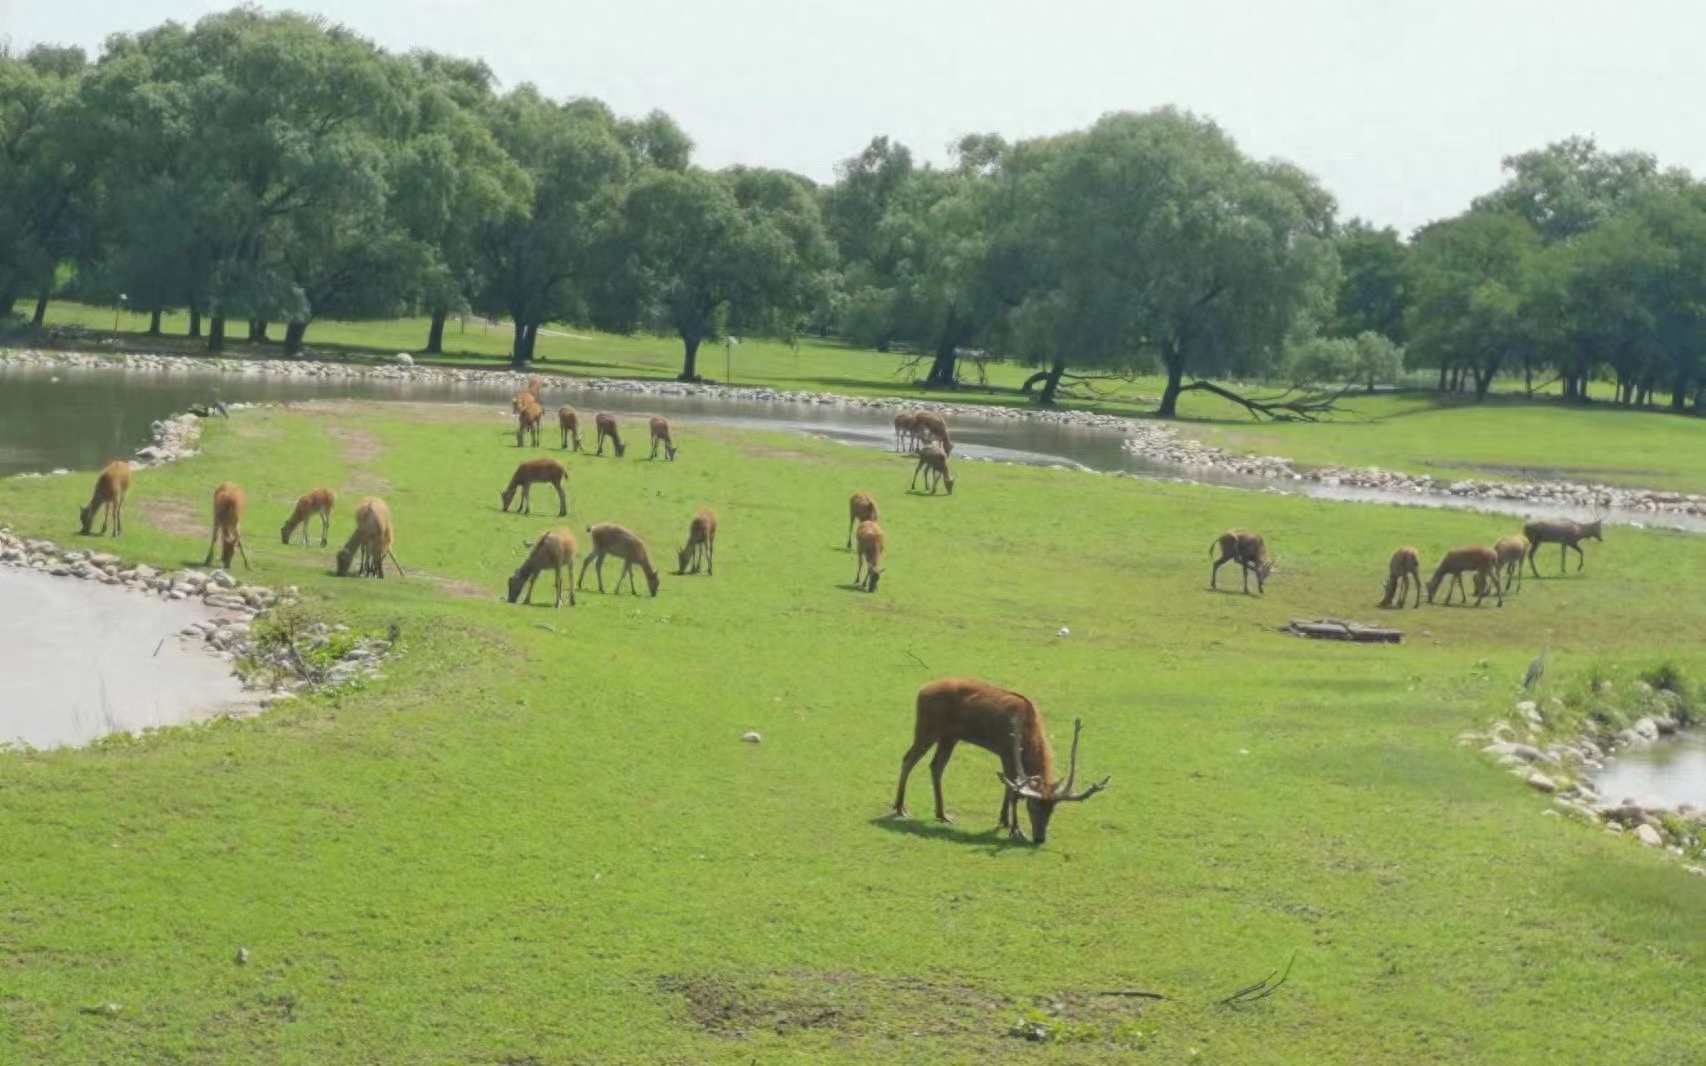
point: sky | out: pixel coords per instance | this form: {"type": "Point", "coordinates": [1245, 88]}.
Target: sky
{"type": "Point", "coordinates": [1402, 109]}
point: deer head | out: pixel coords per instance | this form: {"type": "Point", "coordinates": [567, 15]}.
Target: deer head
{"type": "Point", "coordinates": [1040, 797]}
{"type": "Point", "coordinates": [86, 515]}
{"type": "Point", "coordinates": [1592, 529]}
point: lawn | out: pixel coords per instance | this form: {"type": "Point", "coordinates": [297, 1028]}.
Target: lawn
{"type": "Point", "coordinates": [539, 838]}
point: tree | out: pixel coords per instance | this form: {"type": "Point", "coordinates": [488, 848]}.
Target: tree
{"type": "Point", "coordinates": [1368, 359]}
{"type": "Point", "coordinates": [707, 247]}
{"type": "Point", "coordinates": [1469, 276]}
{"type": "Point", "coordinates": [1571, 186]}
{"type": "Point", "coordinates": [534, 262]}
{"type": "Point", "coordinates": [42, 219]}
{"type": "Point", "coordinates": [1371, 290]}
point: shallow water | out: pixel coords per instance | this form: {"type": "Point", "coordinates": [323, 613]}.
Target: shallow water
{"type": "Point", "coordinates": [1666, 773]}
{"type": "Point", "coordinates": [83, 660]}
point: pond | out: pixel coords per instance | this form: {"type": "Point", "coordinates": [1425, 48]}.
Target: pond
{"type": "Point", "coordinates": [1666, 773]}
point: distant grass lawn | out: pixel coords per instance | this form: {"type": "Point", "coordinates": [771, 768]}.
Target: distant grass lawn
{"type": "Point", "coordinates": [540, 840]}
{"type": "Point", "coordinates": [1417, 431]}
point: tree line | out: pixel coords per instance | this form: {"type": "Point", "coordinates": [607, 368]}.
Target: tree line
{"type": "Point", "coordinates": [263, 171]}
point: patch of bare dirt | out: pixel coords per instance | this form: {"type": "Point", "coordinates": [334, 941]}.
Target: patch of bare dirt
{"type": "Point", "coordinates": [465, 590]}
{"type": "Point", "coordinates": [734, 1005]}
{"type": "Point", "coordinates": [770, 451]}
{"type": "Point", "coordinates": [174, 516]}
{"type": "Point", "coordinates": [418, 412]}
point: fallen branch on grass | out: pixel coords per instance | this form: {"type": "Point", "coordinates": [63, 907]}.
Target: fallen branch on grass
{"type": "Point", "coordinates": [1134, 993]}
{"type": "Point", "coordinates": [1276, 407]}
{"type": "Point", "coordinates": [1338, 629]}
{"type": "Point", "coordinates": [1262, 989]}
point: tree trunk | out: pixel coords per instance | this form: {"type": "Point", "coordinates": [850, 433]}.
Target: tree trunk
{"type": "Point", "coordinates": [690, 359]}
{"type": "Point", "coordinates": [1679, 393]}
{"type": "Point", "coordinates": [435, 334]}
{"type": "Point", "coordinates": [532, 339]}
{"type": "Point", "coordinates": [39, 319]}
{"type": "Point", "coordinates": [1443, 370]}
{"type": "Point", "coordinates": [1483, 382]}
{"type": "Point", "coordinates": [294, 331]}
{"type": "Point", "coordinates": [518, 346]}
{"type": "Point", "coordinates": [1051, 383]}
{"type": "Point", "coordinates": [154, 322]}
{"type": "Point", "coordinates": [943, 369]}
{"type": "Point", "coordinates": [258, 330]}
{"type": "Point", "coordinates": [216, 333]}
{"type": "Point", "coordinates": [7, 303]}
{"type": "Point", "coordinates": [1528, 379]}
{"type": "Point", "coordinates": [195, 321]}
{"type": "Point", "coordinates": [1175, 380]}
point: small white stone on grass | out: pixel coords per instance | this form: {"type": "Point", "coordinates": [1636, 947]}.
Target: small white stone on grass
{"type": "Point", "coordinates": [1065, 632]}
{"type": "Point", "coordinates": [751, 736]}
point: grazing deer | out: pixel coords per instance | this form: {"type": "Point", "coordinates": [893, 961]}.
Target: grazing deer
{"type": "Point", "coordinates": [660, 435]}
{"type": "Point", "coordinates": [552, 551]}
{"type": "Point", "coordinates": [569, 421]}
{"type": "Point", "coordinates": [905, 431]}
{"type": "Point", "coordinates": [310, 503]}
{"type": "Point", "coordinates": [1005, 724]}
{"type": "Point", "coordinates": [870, 565]}
{"type": "Point", "coordinates": [606, 424]}
{"type": "Point", "coordinates": [1511, 552]}
{"type": "Point", "coordinates": [931, 426]}
{"type": "Point", "coordinates": [701, 546]}
{"type": "Point", "coordinates": [860, 508]}
{"type": "Point", "coordinates": [110, 487]}
{"type": "Point", "coordinates": [532, 472]}
{"type": "Point", "coordinates": [1403, 570]}
{"type": "Point", "coordinates": [1566, 534]}
{"type": "Point", "coordinates": [227, 512]}
{"type": "Point", "coordinates": [933, 464]}
{"type": "Point", "coordinates": [611, 539]}
{"type": "Point", "coordinates": [372, 537]}
{"type": "Point", "coordinates": [527, 422]}
{"type": "Point", "coordinates": [1480, 561]}
{"type": "Point", "coordinates": [1246, 549]}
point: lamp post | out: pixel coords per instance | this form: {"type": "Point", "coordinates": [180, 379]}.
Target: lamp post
{"type": "Point", "coordinates": [119, 310]}
{"type": "Point", "coordinates": [728, 352]}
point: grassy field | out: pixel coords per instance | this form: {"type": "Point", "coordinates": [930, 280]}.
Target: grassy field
{"type": "Point", "coordinates": [539, 840]}
{"type": "Point", "coordinates": [1417, 431]}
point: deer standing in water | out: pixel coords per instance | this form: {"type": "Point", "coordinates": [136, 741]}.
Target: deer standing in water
{"type": "Point", "coordinates": [609, 538]}
{"type": "Point", "coordinates": [1403, 570]}
{"type": "Point", "coordinates": [533, 472]}
{"type": "Point", "coordinates": [869, 568]}
{"type": "Point", "coordinates": [313, 502]}
{"type": "Point", "coordinates": [1249, 551]}
{"type": "Point", "coordinates": [933, 464]}
{"type": "Point", "coordinates": [110, 487]}
{"type": "Point", "coordinates": [701, 544]}
{"type": "Point", "coordinates": [606, 424]}
{"type": "Point", "coordinates": [552, 551]}
{"type": "Point", "coordinates": [372, 537]}
{"type": "Point", "coordinates": [860, 508]}
{"type": "Point", "coordinates": [1007, 725]}
{"type": "Point", "coordinates": [569, 421]}
{"type": "Point", "coordinates": [660, 435]}
{"type": "Point", "coordinates": [227, 512]}
{"type": "Point", "coordinates": [1566, 534]}
{"type": "Point", "coordinates": [1481, 561]}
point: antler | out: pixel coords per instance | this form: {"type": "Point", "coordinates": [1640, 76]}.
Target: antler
{"type": "Point", "coordinates": [1020, 783]}
{"type": "Point", "coordinates": [1066, 795]}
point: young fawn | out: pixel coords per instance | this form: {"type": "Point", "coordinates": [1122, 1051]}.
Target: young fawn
{"type": "Point", "coordinates": [701, 544]}
{"type": "Point", "coordinates": [660, 435]}
{"type": "Point", "coordinates": [606, 424]}
{"type": "Point", "coordinates": [227, 513]}
{"type": "Point", "coordinates": [611, 539]}
{"type": "Point", "coordinates": [372, 538]}
{"type": "Point", "coordinates": [569, 421]}
{"type": "Point", "coordinates": [870, 565]}
{"type": "Point", "coordinates": [533, 472]}
{"type": "Point", "coordinates": [1246, 549]}
{"type": "Point", "coordinates": [933, 464]}
{"type": "Point", "coordinates": [110, 487]}
{"type": "Point", "coordinates": [313, 502]}
{"type": "Point", "coordinates": [860, 508]}
{"type": "Point", "coordinates": [1403, 570]}
{"type": "Point", "coordinates": [552, 551]}
{"type": "Point", "coordinates": [1477, 560]}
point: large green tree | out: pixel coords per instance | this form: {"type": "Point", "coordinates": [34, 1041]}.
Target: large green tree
{"type": "Point", "coordinates": [43, 219]}
{"type": "Point", "coordinates": [1469, 276]}
{"type": "Point", "coordinates": [1371, 294]}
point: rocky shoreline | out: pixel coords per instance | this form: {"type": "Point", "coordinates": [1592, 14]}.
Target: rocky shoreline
{"type": "Point", "coordinates": [1152, 441]}
{"type": "Point", "coordinates": [1563, 767]}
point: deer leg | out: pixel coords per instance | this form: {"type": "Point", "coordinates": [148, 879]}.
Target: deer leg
{"type": "Point", "coordinates": [1214, 574]}
{"type": "Point", "coordinates": [598, 572]}
{"type": "Point", "coordinates": [211, 541]}
{"type": "Point", "coordinates": [915, 471]}
{"type": "Point", "coordinates": [850, 521]}
{"type": "Point", "coordinates": [907, 762]}
{"type": "Point", "coordinates": [1563, 558]}
{"type": "Point", "coordinates": [528, 598]}
{"type": "Point", "coordinates": [627, 572]}
{"type": "Point", "coordinates": [1581, 556]}
{"type": "Point", "coordinates": [325, 527]}
{"type": "Point", "coordinates": [586, 562]}
{"type": "Point", "coordinates": [1244, 568]}
{"type": "Point", "coordinates": [562, 501]}
{"type": "Point", "coordinates": [711, 556]}
{"type": "Point", "coordinates": [944, 752]}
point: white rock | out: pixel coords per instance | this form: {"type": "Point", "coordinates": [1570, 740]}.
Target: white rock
{"type": "Point", "coordinates": [1538, 780]}
{"type": "Point", "coordinates": [1065, 632]}
{"type": "Point", "coordinates": [751, 736]}
{"type": "Point", "coordinates": [1649, 836]}
{"type": "Point", "coordinates": [405, 359]}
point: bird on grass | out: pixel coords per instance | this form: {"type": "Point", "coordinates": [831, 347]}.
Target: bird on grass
{"type": "Point", "coordinates": [1537, 668]}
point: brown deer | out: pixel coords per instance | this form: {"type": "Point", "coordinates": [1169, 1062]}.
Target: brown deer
{"type": "Point", "coordinates": [606, 424]}
{"type": "Point", "coordinates": [701, 544]}
{"type": "Point", "coordinates": [905, 431]}
{"type": "Point", "coordinates": [1005, 724]}
{"type": "Point", "coordinates": [527, 422]}
{"type": "Point", "coordinates": [1403, 570]}
{"type": "Point", "coordinates": [552, 551]}
{"type": "Point", "coordinates": [611, 539]}
{"type": "Point", "coordinates": [870, 565]}
{"type": "Point", "coordinates": [372, 537]}
{"type": "Point", "coordinates": [533, 472]}
{"type": "Point", "coordinates": [111, 484]}
{"type": "Point", "coordinates": [933, 464]}
{"type": "Point", "coordinates": [860, 508]}
{"type": "Point", "coordinates": [930, 426]}
{"type": "Point", "coordinates": [310, 503]}
{"type": "Point", "coordinates": [569, 421]}
{"type": "Point", "coordinates": [1511, 552]}
{"type": "Point", "coordinates": [1481, 561]}
{"type": "Point", "coordinates": [660, 435]}
{"type": "Point", "coordinates": [227, 512]}
{"type": "Point", "coordinates": [1249, 551]}
{"type": "Point", "coordinates": [1566, 534]}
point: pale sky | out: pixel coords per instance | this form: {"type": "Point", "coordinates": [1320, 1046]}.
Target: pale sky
{"type": "Point", "coordinates": [1402, 109]}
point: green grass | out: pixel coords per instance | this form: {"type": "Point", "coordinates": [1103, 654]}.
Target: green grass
{"type": "Point", "coordinates": [539, 839]}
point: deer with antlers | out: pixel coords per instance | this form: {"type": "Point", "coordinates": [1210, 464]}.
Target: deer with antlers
{"type": "Point", "coordinates": [110, 488]}
{"type": "Point", "coordinates": [660, 435]}
{"type": "Point", "coordinates": [1566, 534]}
{"type": "Point", "coordinates": [227, 512]}
{"type": "Point", "coordinates": [606, 424]}
{"type": "Point", "coordinates": [1007, 725]}
{"type": "Point", "coordinates": [569, 422]}
{"type": "Point", "coordinates": [933, 464]}
{"type": "Point", "coordinates": [313, 502]}
{"type": "Point", "coordinates": [543, 470]}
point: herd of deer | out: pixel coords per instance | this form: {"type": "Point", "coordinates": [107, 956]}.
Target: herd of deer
{"type": "Point", "coordinates": [947, 711]}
